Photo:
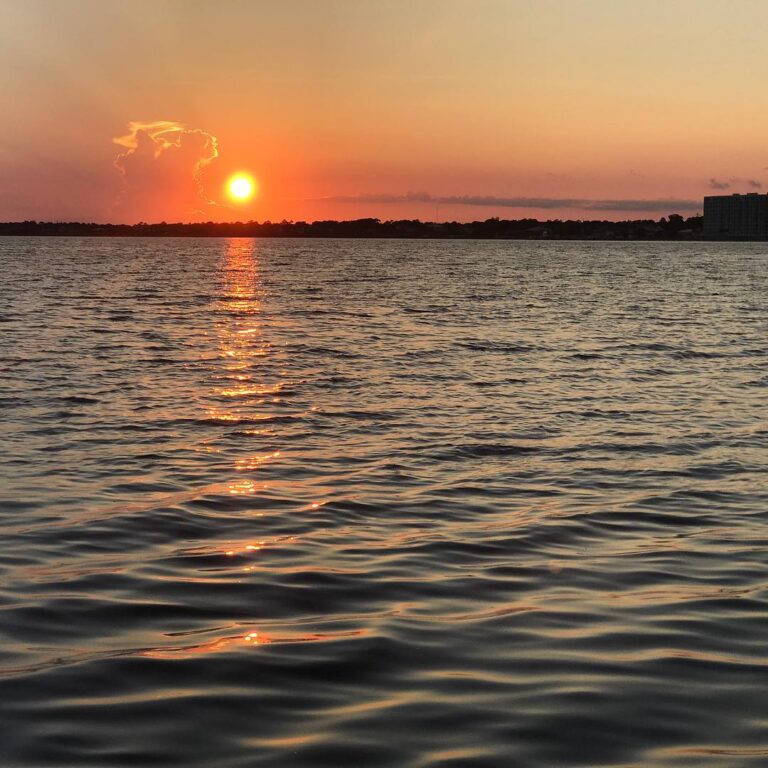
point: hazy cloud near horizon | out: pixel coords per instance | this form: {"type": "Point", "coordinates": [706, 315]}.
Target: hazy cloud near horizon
{"type": "Point", "coordinates": [549, 203]}
{"type": "Point", "coordinates": [721, 184]}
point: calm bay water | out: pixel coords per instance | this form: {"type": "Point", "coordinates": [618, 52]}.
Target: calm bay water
{"type": "Point", "coordinates": [383, 503]}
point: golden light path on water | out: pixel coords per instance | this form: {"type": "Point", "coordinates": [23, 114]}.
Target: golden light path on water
{"type": "Point", "coordinates": [242, 346]}
{"type": "Point", "coordinates": [241, 343]}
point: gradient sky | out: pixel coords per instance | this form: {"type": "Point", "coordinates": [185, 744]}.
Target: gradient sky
{"type": "Point", "coordinates": [343, 109]}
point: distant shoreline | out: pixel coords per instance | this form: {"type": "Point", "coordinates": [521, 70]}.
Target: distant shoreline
{"type": "Point", "coordinates": [674, 227]}
{"type": "Point", "coordinates": [605, 239]}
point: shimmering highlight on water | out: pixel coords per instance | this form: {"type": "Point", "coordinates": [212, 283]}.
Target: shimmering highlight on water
{"type": "Point", "coordinates": [383, 503]}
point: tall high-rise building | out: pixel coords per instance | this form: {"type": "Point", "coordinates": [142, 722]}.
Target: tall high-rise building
{"type": "Point", "coordinates": [739, 216]}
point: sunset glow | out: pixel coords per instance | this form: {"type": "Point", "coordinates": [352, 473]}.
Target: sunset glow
{"type": "Point", "coordinates": [241, 188]}
{"type": "Point", "coordinates": [384, 383]}
{"type": "Point", "coordinates": [580, 122]}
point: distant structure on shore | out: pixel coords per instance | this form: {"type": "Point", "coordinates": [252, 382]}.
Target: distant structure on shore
{"type": "Point", "coordinates": [736, 216]}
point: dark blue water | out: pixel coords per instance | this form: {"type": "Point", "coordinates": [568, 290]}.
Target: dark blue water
{"type": "Point", "coordinates": [383, 503]}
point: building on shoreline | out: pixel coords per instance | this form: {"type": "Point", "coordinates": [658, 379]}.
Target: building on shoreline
{"type": "Point", "coordinates": [736, 216]}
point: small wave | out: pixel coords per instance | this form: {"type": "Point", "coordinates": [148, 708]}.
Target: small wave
{"type": "Point", "coordinates": [485, 450]}
{"type": "Point", "coordinates": [509, 348]}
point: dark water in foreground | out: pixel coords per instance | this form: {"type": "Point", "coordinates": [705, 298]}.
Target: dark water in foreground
{"type": "Point", "coordinates": [362, 503]}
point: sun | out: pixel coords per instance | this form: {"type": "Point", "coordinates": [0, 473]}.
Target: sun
{"type": "Point", "coordinates": [241, 187]}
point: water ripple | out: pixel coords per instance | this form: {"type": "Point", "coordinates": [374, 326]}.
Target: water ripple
{"type": "Point", "coordinates": [383, 503]}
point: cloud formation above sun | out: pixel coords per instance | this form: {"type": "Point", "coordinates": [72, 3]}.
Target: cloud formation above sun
{"type": "Point", "coordinates": [162, 171]}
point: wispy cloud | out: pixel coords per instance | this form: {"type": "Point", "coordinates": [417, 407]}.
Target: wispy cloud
{"type": "Point", "coordinates": [548, 203]}
{"type": "Point", "coordinates": [723, 184]}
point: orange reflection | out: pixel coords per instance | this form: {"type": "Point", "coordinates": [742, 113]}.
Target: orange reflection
{"type": "Point", "coordinates": [254, 462]}
{"type": "Point", "coordinates": [250, 390]}
{"type": "Point", "coordinates": [215, 415]}
{"type": "Point", "coordinates": [243, 386]}
{"type": "Point", "coordinates": [244, 486]}
{"type": "Point", "coordinates": [248, 639]}
{"type": "Point", "coordinates": [240, 332]}
{"type": "Point", "coordinates": [200, 649]}
{"type": "Point", "coordinates": [241, 343]}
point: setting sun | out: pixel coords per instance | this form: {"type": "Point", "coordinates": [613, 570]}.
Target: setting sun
{"type": "Point", "coordinates": [241, 187]}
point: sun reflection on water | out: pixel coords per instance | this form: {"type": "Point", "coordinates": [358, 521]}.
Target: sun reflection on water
{"type": "Point", "coordinates": [240, 333]}
{"type": "Point", "coordinates": [235, 642]}
{"type": "Point", "coordinates": [245, 386]}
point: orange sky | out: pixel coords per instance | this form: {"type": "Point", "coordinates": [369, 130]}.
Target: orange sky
{"type": "Point", "coordinates": [445, 109]}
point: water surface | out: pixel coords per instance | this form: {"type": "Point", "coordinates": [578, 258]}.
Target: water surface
{"type": "Point", "coordinates": [383, 503]}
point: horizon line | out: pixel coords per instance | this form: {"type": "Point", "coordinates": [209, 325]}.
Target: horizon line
{"type": "Point", "coordinates": [269, 222]}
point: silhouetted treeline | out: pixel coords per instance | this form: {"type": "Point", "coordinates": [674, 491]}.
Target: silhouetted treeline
{"type": "Point", "coordinates": [674, 227]}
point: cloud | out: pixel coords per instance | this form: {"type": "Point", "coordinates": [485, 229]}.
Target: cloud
{"type": "Point", "coordinates": [491, 201]}
{"type": "Point", "coordinates": [161, 170]}
{"type": "Point", "coordinates": [722, 184]}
